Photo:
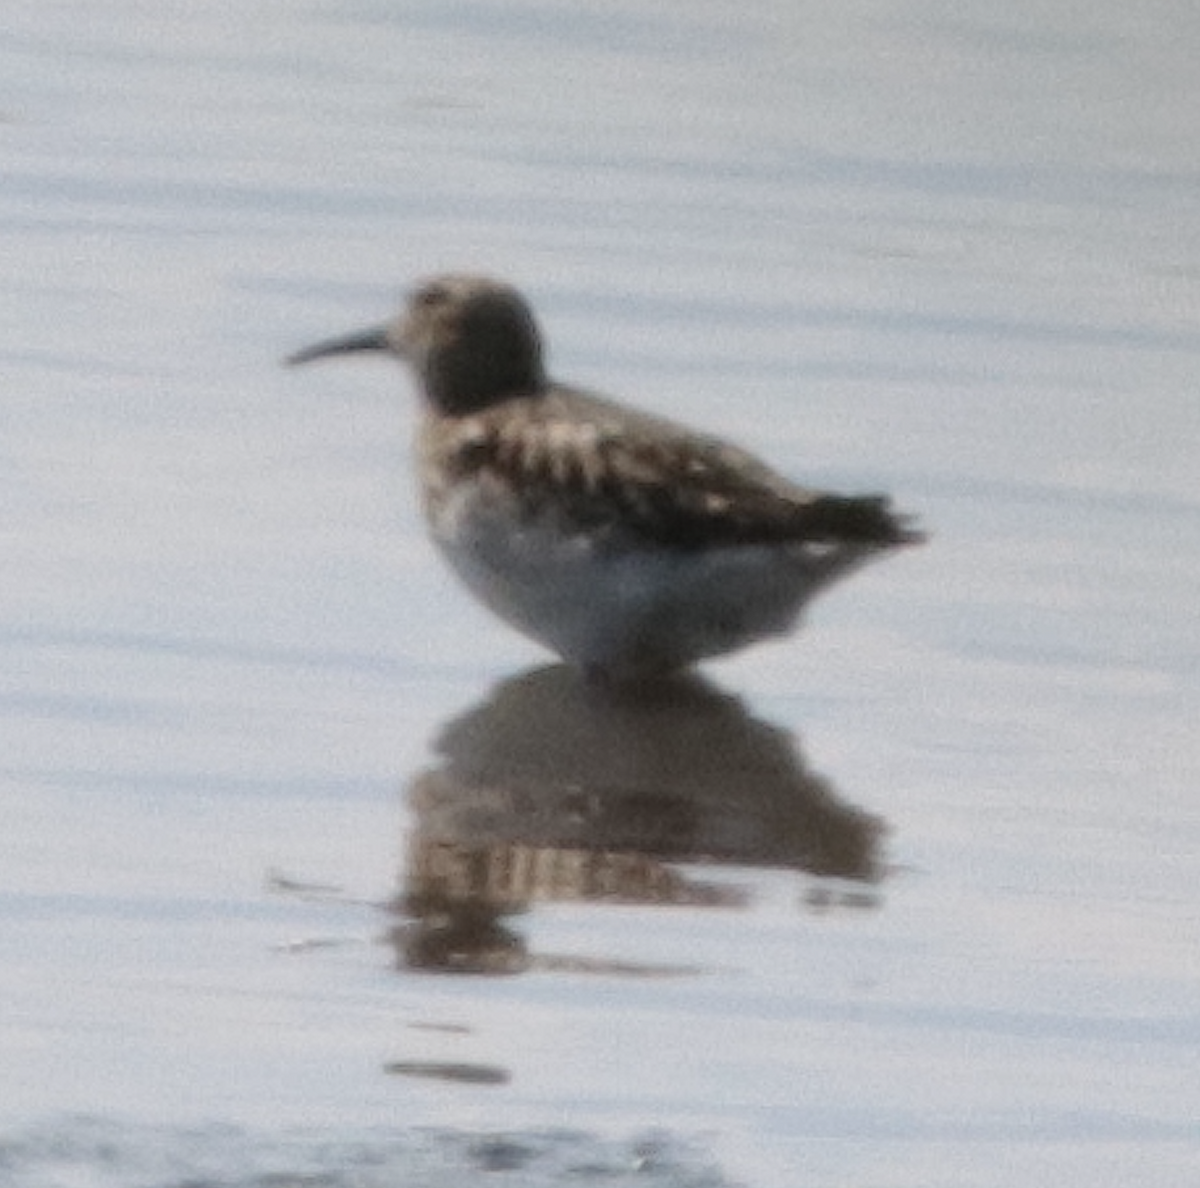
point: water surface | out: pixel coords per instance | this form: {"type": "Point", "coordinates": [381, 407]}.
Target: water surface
{"type": "Point", "coordinates": [309, 867]}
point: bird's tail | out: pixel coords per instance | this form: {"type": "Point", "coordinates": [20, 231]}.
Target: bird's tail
{"type": "Point", "coordinates": [866, 518]}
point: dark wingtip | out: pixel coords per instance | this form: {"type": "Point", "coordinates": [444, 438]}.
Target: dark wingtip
{"type": "Point", "coordinates": [867, 518]}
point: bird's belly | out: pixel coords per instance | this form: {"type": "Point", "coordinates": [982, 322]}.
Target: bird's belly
{"type": "Point", "coordinates": [630, 609]}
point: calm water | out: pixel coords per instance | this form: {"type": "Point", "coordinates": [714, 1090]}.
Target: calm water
{"type": "Point", "coordinates": [308, 868]}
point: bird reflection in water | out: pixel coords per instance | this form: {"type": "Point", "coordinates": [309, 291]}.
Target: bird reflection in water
{"type": "Point", "coordinates": [556, 789]}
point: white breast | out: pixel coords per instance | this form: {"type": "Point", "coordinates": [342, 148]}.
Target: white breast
{"type": "Point", "coordinates": [623, 608]}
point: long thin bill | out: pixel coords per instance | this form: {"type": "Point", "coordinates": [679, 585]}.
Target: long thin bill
{"type": "Point", "coordinates": [374, 339]}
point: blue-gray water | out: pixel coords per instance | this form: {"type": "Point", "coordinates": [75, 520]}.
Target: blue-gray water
{"type": "Point", "coordinates": [306, 868]}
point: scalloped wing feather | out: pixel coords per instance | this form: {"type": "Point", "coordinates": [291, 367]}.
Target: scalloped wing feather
{"type": "Point", "coordinates": [604, 465]}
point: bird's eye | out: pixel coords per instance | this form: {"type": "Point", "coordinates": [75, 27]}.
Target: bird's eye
{"type": "Point", "coordinates": [429, 297]}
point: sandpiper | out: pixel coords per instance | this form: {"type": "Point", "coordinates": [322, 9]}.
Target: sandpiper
{"type": "Point", "coordinates": [626, 543]}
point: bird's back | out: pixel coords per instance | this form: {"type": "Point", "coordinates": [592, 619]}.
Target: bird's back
{"type": "Point", "coordinates": [603, 466]}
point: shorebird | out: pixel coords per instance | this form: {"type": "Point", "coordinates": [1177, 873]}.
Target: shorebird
{"type": "Point", "coordinates": [626, 543]}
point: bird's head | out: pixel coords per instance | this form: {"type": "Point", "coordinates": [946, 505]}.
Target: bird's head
{"type": "Point", "coordinates": [469, 340]}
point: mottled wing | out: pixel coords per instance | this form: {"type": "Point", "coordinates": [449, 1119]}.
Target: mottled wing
{"type": "Point", "coordinates": [608, 467]}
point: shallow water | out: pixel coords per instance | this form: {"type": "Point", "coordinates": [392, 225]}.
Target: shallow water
{"type": "Point", "coordinates": [308, 867]}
